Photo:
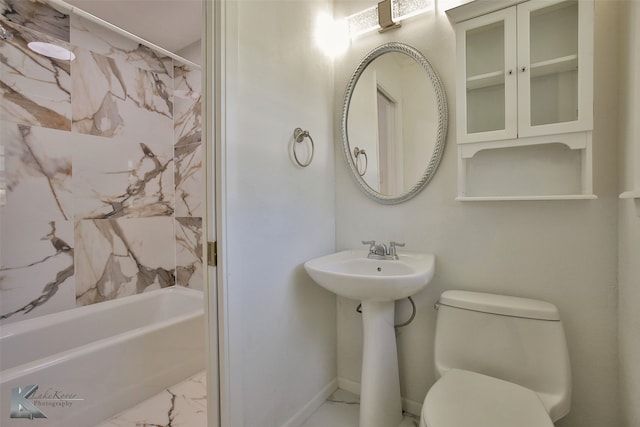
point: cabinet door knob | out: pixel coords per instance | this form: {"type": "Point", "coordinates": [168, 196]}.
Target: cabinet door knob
{"type": "Point", "coordinates": [510, 72]}
{"type": "Point", "coordinates": [523, 69]}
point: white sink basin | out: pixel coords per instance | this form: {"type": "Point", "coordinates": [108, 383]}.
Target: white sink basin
{"type": "Point", "coordinates": [377, 283]}
{"type": "Point", "coordinates": [351, 274]}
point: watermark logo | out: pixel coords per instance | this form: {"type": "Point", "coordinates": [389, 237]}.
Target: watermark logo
{"type": "Point", "coordinates": [26, 403]}
{"type": "Point", "coordinates": [21, 407]}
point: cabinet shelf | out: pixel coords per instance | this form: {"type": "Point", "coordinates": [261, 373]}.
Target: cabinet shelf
{"type": "Point", "coordinates": [554, 167]}
{"type": "Point", "coordinates": [485, 80]}
{"type": "Point", "coordinates": [634, 194]}
{"type": "Point", "coordinates": [524, 198]}
{"type": "Point", "coordinates": [538, 69]}
{"type": "Point", "coordinates": [574, 141]}
{"type": "Point", "coordinates": [554, 66]}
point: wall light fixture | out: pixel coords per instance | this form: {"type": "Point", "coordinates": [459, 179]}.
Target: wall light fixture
{"type": "Point", "coordinates": [386, 15]}
{"type": "Point", "coordinates": [52, 51]}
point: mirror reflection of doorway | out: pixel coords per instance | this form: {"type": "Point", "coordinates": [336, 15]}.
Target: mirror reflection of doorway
{"type": "Point", "coordinates": [390, 173]}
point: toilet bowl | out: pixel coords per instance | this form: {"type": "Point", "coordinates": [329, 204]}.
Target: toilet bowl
{"type": "Point", "coordinates": [463, 398]}
{"type": "Point", "coordinates": [500, 361]}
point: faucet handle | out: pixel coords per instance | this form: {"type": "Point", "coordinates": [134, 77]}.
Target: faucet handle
{"type": "Point", "coordinates": [372, 245]}
{"type": "Point", "coordinates": [392, 248]}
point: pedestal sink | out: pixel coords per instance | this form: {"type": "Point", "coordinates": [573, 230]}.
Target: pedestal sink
{"type": "Point", "coordinates": [377, 283]}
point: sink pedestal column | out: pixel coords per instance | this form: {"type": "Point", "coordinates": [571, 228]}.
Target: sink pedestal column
{"type": "Point", "coordinates": [380, 402]}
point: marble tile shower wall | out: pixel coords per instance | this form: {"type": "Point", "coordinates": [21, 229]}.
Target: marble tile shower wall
{"type": "Point", "coordinates": [101, 166]}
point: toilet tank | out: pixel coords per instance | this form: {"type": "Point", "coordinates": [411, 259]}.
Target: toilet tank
{"type": "Point", "coordinates": [515, 339]}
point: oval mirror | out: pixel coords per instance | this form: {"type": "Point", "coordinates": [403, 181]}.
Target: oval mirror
{"type": "Point", "coordinates": [394, 123]}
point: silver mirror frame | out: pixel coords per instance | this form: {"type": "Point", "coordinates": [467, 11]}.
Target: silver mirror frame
{"type": "Point", "coordinates": [441, 135]}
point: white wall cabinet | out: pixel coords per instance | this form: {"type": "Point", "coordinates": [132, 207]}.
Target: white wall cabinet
{"type": "Point", "coordinates": [525, 77]}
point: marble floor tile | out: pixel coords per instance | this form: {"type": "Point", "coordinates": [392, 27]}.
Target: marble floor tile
{"type": "Point", "coordinates": [183, 405]}
{"type": "Point", "coordinates": [342, 409]}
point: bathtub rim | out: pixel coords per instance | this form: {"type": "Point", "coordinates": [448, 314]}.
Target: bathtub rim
{"type": "Point", "coordinates": [15, 372]}
{"type": "Point", "coordinates": [21, 326]}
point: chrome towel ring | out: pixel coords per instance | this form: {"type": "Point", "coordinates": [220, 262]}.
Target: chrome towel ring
{"type": "Point", "coordinates": [299, 135]}
{"type": "Point", "coordinates": [357, 152]}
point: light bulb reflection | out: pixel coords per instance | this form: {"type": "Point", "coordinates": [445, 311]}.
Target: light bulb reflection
{"type": "Point", "coordinates": [331, 36]}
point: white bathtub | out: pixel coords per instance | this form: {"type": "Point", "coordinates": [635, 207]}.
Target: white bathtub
{"type": "Point", "coordinates": [92, 362]}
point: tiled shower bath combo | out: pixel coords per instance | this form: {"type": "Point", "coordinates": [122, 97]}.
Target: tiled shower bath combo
{"type": "Point", "coordinates": [101, 166]}
{"type": "Point", "coordinates": [100, 199]}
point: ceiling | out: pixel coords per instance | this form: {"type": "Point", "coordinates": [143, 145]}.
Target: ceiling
{"type": "Point", "coordinates": [170, 24]}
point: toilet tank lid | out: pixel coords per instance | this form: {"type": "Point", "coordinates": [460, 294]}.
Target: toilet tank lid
{"type": "Point", "coordinates": [500, 304]}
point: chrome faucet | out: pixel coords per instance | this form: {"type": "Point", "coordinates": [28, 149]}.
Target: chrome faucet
{"type": "Point", "coordinates": [382, 251]}
{"type": "Point", "coordinates": [393, 249]}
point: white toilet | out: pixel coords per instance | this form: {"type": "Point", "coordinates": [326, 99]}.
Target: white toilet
{"type": "Point", "coordinates": [501, 362]}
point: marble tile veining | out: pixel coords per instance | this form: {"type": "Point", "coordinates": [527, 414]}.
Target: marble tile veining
{"type": "Point", "coordinates": [189, 252]}
{"type": "Point", "coordinates": [37, 174]}
{"type": "Point", "coordinates": [37, 15]}
{"type": "Point", "coordinates": [101, 166]}
{"type": "Point", "coordinates": [36, 268]}
{"type": "Point", "coordinates": [121, 257]}
{"type": "Point", "coordinates": [36, 227]}
{"type": "Point", "coordinates": [188, 141]}
{"type": "Point", "coordinates": [36, 90]}
{"type": "Point", "coordinates": [91, 36]}
{"type": "Point", "coordinates": [188, 180]}
{"type": "Point", "coordinates": [187, 81]}
{"type": "Point", "coordinates": [114, 98]}
{"type": "Point", "coordinates": [116, 178]}
{"type": "Point", "coordinates": [183, 405]}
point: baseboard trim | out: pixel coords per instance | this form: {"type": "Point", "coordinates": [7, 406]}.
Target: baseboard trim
{"type": "Point", "coordinates": [348, 385]}
{"type": "Point", "coordinates": [303, 414]}
{"type": "Point", "coordinates": [410, 406]}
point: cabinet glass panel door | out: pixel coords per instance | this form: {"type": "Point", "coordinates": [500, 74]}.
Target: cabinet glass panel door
{"type": "Point", "coordinates": [485, 78]}
{"type": "Point", "coordinates": [488, 107]}
{"type": "Point", "coordinates": [549, 62]}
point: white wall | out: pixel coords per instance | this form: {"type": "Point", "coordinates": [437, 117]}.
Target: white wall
{"type": "Point", "coordinates": [629, 215]}
{"type": "Point", "coordinates": [564, 252]}
{"type": "Point", "coordinates": [192, 52]}
{"type": "Point", "coordinates": [281, 328]}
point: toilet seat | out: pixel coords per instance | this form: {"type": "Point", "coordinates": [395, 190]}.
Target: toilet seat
{"type": "Point", "coordinates": [468, 399]}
